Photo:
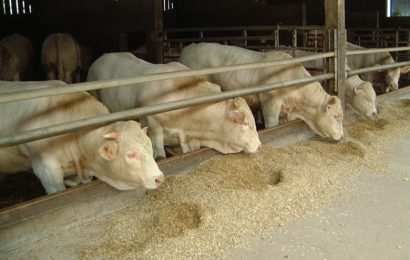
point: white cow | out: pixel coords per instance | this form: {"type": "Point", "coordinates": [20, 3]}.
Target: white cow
{"type": "Point", "coordinates": [119, 154]}
{"type": "Point", "coordinates": [390, 77]}
{"type": "Point", "coordinates": [16, 58]}
{"type": "Point", "coordinates": [227, 126]}
{"type": "Point", "coordinates": [62, 57]}
{"type": "Point", "coordinates": [322, 112]}
{"type": "Point", "coordinates": [360, 95]}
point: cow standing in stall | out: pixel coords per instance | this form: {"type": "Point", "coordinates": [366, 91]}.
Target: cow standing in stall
{"type": "Point", "coordinates": [16, 58]}
{"type": "Point", "coordinates": [309, 102]}
{"type": "Point", "coordinates": [119, 154]}
{"type": "Point", "coordinates": [388, 78]}
{"type": "Point", "coordinates": [63, 58]}
{"type": "Point", "coordinates": [360, 95]}
{"type": "Point", "coordinates": [227, 126]}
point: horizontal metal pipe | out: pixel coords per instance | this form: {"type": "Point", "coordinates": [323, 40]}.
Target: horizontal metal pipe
{"type": "Point", "coordinates": [85, 86]}
{"type": "Point", "coordinates": [367, 51]}
{"type": "Point", "coordinates": [219, 38]}
{"type": "Point", "coordinates": [59, 129]}
{"type": "Point", "coordinates": [249, 28]}
{"type": "Point", "coordinates": [377, 68]}
{"type": "Point", "coordinates": [379, 29]}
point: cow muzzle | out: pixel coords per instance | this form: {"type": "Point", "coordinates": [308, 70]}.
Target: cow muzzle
{"type": "Point", "coordinates": [159, 180]}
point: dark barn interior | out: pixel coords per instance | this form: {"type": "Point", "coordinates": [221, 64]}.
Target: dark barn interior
{"type": "Point", "coordinates": [111, 25]}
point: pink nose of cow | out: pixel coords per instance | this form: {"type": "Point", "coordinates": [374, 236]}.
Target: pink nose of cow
{"type": "Point", "coordinates": [159, 180]}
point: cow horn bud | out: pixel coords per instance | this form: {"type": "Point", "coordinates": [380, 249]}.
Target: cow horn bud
{"type": "Point", "coordinates": [112, 135]}
{"type": "Point", "coordinates": [236, 103]}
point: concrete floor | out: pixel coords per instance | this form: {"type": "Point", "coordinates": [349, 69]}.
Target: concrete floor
{"type": "Point", "coordinates": [371, 221]}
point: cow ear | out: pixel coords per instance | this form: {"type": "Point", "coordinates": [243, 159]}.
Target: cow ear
{"type": "Point", "coordinates": [405, 69]}
{"type": "Point", "coordinates": [358, 89]}
{"type": "Point", "coordinates": [145, 130]}
{"type": "Point", "coordinates": [236, 103]}
{"type": "Point", "coordinates": [108, 150]}
{"type": "Point", "coordinates": [332, 102]}
{"type": "Point", "coordinates": [112, 135]}
{"type": "Point", "coordinates": [237, 117]}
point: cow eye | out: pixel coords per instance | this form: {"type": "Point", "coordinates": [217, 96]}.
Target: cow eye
{"type": "Point", "coordinates": [132, 155]}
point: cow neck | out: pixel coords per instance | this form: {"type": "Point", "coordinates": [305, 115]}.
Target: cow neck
{"type": "Point", "coordinates": [292, 99]}
{"type": "Point", "coordinates": [350, 90]}
{"type": "Point", "coordinates": [79, 159]}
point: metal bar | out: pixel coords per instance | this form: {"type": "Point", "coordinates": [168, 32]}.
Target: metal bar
{"type": "Point", "coordinates": [245, 34]}
{"type": "Point", "coordinates": [237, 28]}
{"type": "Point", "coordinates": [85, 86]}
{"type": "Point", "coordinates": [216, 38]}
{"type": "Point", "coordinates": [366, 51]}
{"type": "Point", "coordinates": [377, 68]}
{"type": "Point", "coordinates": [59, 129]}
{"type": "Point", "coordinates": [379, 29]}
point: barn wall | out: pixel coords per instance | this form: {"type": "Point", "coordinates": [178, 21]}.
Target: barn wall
{"type": "Point", "coordinates": [196, 13]}
{"type": "Point", "coordinates": [364, 10]}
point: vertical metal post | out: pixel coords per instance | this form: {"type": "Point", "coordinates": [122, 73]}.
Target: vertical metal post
{"type": "Point", "coordinates": [277, 38]}
{"type": "Point", "coordinates": [294, 42]}
{"type": "Point", "coordinates": [245, 34]}
{"type": "Point", "coordinates": [397, 38]}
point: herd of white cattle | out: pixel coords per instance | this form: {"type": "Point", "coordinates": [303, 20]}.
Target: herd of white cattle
{"type": "Point", "coordinates": [123, 154]}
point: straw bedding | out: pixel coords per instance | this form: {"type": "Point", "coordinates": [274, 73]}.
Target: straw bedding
{"type": "Point", "coordinates": [230, 198]}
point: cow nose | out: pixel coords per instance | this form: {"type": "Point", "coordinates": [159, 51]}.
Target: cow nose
{"type": "Point", "coordinates": [374, 113]}
{"type": "Point", "coordinates": [159, 180]}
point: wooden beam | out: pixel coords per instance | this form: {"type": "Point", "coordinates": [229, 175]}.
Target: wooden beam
{"type": "Point", "coordinates": [335, 20]}
{"type": "Point", "coordinates": [153, 31]}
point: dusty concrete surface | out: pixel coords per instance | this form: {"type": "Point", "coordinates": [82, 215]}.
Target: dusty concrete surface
{"type": "Point", "coordinates": [371, 221]}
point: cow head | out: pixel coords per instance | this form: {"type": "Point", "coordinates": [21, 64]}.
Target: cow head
{"type": "Point", "coordinates": [363, 100]}
{"type": "Point", "coordinates": [392, 77]}
{"type": "Point", "coordinates": [237, 129]}
{"type": "Point", "coordinates": [123, 157]}
{"type": "Point", "coordinates": [326, 119]}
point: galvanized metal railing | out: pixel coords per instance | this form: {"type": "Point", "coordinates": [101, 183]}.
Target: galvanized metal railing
{"type": "Point", "coordinates": [382, 37]}
{"type": "Point", "coordinates": [259, 38]}
{"type": "Point", "coordinates": [379, 67]}
{"type": "Point", "coordinates": [35, 134]}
